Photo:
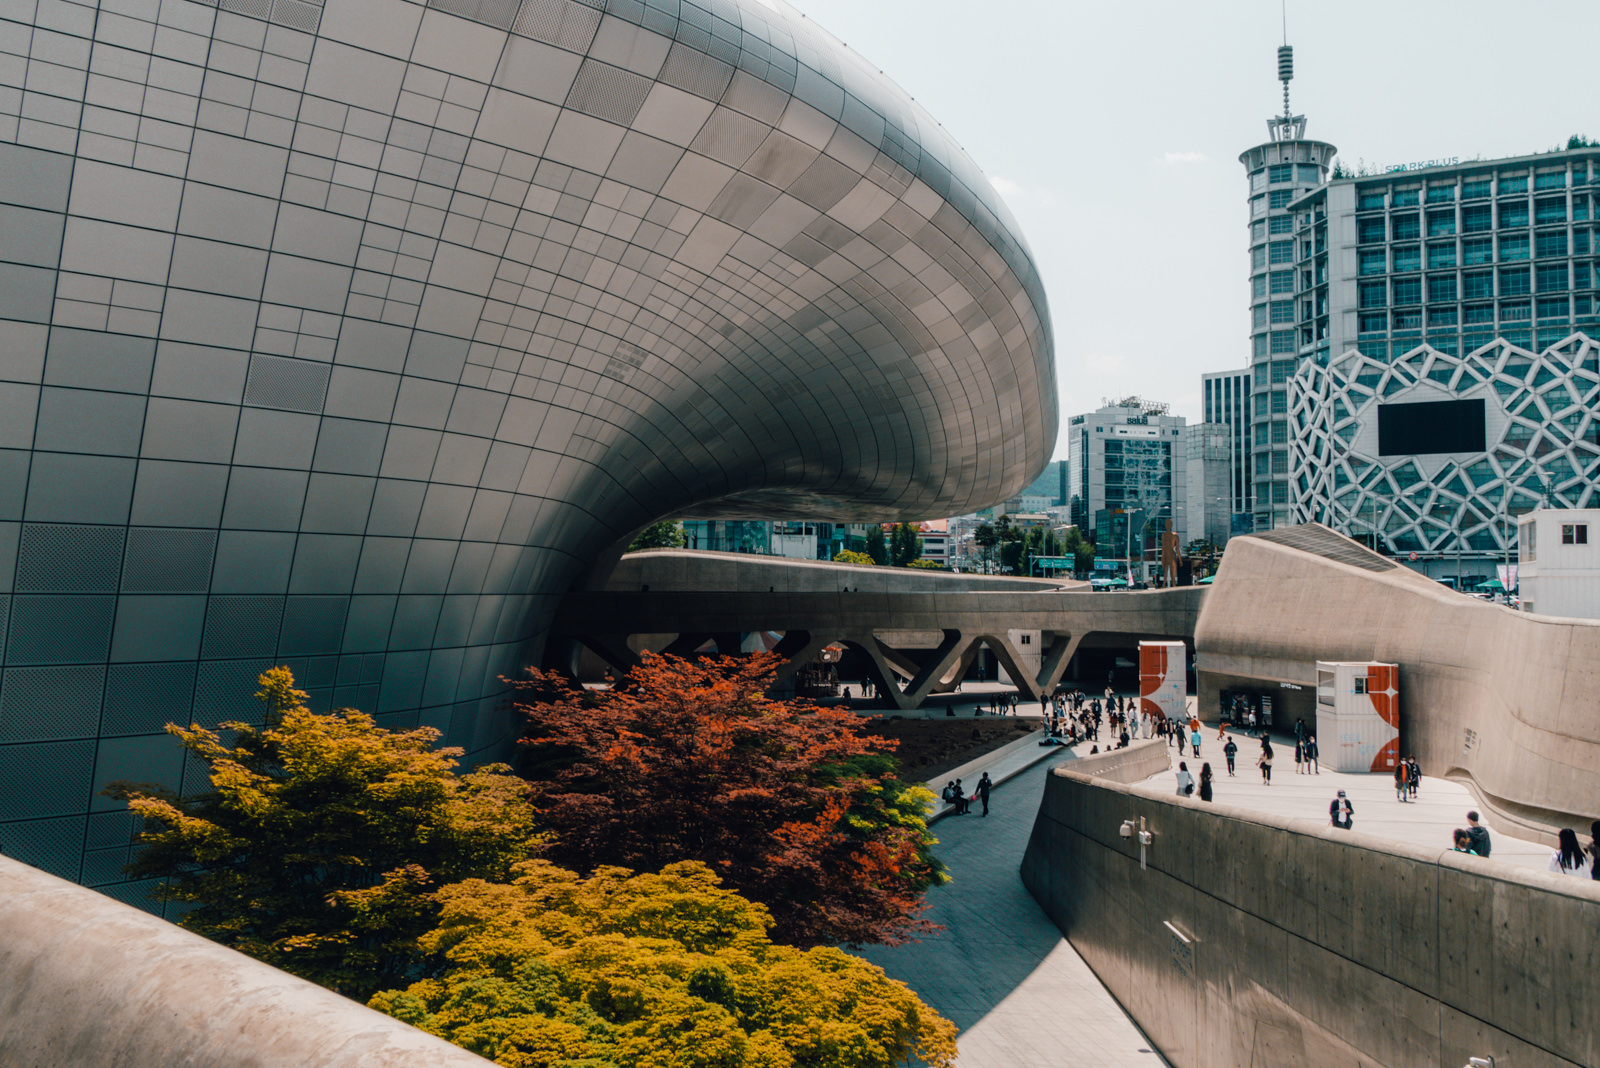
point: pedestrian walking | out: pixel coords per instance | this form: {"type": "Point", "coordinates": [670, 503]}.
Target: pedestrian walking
{"type": "Point", "coordinates": [1569, 859]}
{"type": "Point", "coordinates": [1185, 780]}
{"type": "Point", "coordinates": [1341, 812]}
{"type": "Point", "coordinates": [981, 791]}
{"type": "Point", "coordinates": [1299, 756]}
{"type": "Point", "coordinates": [1194, 742]}
{"type": "Point", "coordinates": [1264, 762]}
{"type": "Point", "coordinates": [1478, 834]}
{"type": "Point", "coordinates": [1311, 754]}
{"type": "Point", "coordinates": [1230, 750]}
{"type": "Point", "coordinates": [1182, 740]}
{"type": "Point", "coordinates": [1402, 790]}
{"type": "Point", "coordinates": [1413, 775]}
{"type": "Point", "coordinates": [1205, 782]}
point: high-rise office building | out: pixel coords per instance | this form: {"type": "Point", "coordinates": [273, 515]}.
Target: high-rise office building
{"type": "Point", "coordinates": [1127, 465]}
{"type": "Point", "coordinates": [1285, 321]}
{"type": "Point", "coordinates": [1225, 400]}
{"type": "Point", "coordinates": [1459, 382]}
{"type": "Point", "coordinates": [1422, 369]}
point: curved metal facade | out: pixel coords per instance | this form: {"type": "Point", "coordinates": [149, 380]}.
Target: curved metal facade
{"type": "Point", "coordinates": [350, 335]}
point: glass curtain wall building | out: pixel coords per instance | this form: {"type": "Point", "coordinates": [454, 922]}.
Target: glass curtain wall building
{"type": "Point", "coordinates": [1128, 465]}
{"type": "Point", "coordinates": [1225, 400]}
{"type": "Point", "coordinates": [1457, 386]}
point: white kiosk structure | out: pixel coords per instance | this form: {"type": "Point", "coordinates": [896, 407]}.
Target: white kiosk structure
{"type": "Point", "coordinates": [1162, 680]}
{"type": "Point", "coordinates": [1358, 715]}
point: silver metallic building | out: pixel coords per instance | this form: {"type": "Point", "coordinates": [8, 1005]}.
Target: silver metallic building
{"type": "Point", "coordinates": [350, 335]}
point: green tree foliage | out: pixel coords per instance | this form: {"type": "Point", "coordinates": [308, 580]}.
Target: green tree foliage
{"type": "Point", "coordinates": [787, 802]}
{"type": "Point", "coordinates": [667, 534]}
{"type": "Point", "coordinates": [846, 556]}
{"type": "Point", "coordinates": [985, 537]}
{"type": "Point", "coordinates": [876, 547]}
{"type": "Point", "coordinates": [928, 565]}
{"type": "Point", "coordinates": [323, 838]}
{"type": "Point", "coordinates": [668, 970]}
{"type": "Point", "coordinates": [1073, 543]}
{"type": "Point", "coordinates": [904, 545]}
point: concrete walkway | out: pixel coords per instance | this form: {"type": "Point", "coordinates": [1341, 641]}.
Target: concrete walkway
{"type": "Point", "coordinates": [1441, 805]}
{"type": "Point", "coordinates": [1000, 969]}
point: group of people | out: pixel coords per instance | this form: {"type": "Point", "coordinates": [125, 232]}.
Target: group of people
{"type": "Point", "coordinates": [1570, 858]}
{"type": "Point", "coordinates": [955, 794]}
{"type": "Point", "coordinates": [1407, 774]}
{"type": "Point", "coordinates": [1186, 783]}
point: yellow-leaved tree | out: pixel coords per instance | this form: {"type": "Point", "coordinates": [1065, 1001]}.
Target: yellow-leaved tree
{"type": "Point", "coordinates": [666, 970]}
{"type": "Point", "coordinates": [323, 837]}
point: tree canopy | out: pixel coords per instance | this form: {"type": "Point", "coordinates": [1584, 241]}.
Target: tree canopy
{"type": "Point", "coordinates": [667, 534]}
{"type": "Point", "coordinates": [323, 838]}
{"type": "Point", "coordinates": [904, 545]}
{"type": "Point", "coordinates": [846, 556]}
{"type": "Point", "coordinates": [786, 801]}
{"type": "Point", "coordinates": [667, 969]}
{"type": "Point", "coordinates": [877, 547]}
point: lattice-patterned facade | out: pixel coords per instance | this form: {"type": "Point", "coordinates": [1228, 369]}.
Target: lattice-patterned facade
{"type": "Point", "coordinates": [1541, 444]}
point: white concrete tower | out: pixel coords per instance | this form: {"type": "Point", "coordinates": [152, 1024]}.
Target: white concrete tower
{"type": "Point", "coordinates": [1280, 169]}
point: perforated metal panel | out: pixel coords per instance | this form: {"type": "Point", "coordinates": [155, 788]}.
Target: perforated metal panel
{"type": "Point", "coordinates": [144, 698]}
{"type": "Point", "coordinates": [50, 704]}
{"type": "Point", "coordinates": [55, 846]}
{"type": "Point", "coordinates": [43, 779]}
{"type": "Point", "coordinates": [55, 558]}
{"type": "Point", "coordinates": [168, 561]}
{"type": "Point", "coordinates": [241, 626]}
{"type": "Point", "coordinates": [292, 385]}
{"type": "Point", "coordinates": [59, 630]}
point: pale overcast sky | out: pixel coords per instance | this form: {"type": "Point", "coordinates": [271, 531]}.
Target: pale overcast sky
{"type": "Point", "coordinates": [1114, 132]}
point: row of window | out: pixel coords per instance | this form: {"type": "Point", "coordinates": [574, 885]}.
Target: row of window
{"type": "Point", "coordinates": [1471, 285]}
{"type": "Point", "coordinates": [1451, 315]}
{"type": "Point", "coordinates": [1475, 250]}
{"type": "Point", "coordinates": [1471, 189]}
{"type": "Point", "coordinates": [1406, 226]}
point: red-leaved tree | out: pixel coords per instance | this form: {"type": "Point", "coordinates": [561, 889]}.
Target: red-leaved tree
{"type": "Point", "coordinates": [785, 800]}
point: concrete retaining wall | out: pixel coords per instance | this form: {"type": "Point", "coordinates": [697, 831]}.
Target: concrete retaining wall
{"type": "Point", "coordinates": [88, 982]}
{"type": "Point", "coordinates": [1295, 945]}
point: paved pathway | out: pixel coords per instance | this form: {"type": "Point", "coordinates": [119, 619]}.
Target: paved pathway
{"type": "Point", "coordinates": [1018, 991]}
{"type": "Point", "coordinates": [1000, 969]}
{"type": "Point", "coordinates": [1441, 805]}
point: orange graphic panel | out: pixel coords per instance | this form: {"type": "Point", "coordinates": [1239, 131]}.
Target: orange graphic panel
{"type": "Point", "coordinates": [1383, 689]}
{"type": "Point", "coordinates": [1388, 756]}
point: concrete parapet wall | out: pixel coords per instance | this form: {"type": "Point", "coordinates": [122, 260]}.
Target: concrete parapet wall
{"type": "Point", "coordinates": [88, 982]}
{"type": "Point", "coordinates": [1263, 941]}
{"type": "Point", "coordinates": [696, 571]}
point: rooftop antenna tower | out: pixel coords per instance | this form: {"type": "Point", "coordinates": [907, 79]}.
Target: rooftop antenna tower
{"type": "Point", "coordinates": [1288, 126]}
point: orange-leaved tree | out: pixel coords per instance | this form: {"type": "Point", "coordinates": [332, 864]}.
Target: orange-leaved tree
{"type": "Point", "coordinates": [786, 801]}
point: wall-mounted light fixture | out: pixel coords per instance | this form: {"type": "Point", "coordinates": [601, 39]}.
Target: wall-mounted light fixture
{"type": "Point", "coordinates": [1137, 826]}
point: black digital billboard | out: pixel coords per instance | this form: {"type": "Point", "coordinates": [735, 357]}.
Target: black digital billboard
{"type": "Point", "coordinates": [1435, 426]}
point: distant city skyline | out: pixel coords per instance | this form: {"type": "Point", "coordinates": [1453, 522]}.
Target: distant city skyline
{"type": "Point", "coordinates": [1114, 131]}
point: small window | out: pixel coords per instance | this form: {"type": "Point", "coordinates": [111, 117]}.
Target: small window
{"type": "Point", "coordinates": [1474, 190]}
{"type": "Point", "coordinates": [1574, 534]}
{"type": "Point", "coordinates": [1027, 639]}
{"type": "Point", "coordinates": [1371, 202]}
{"type": "Point", "coordinates": [1361, 684]}
{"type": "Point", "coordinates": [1476, 218]}
{"type": "Point", "coordinates": [1408, 226]}
{"type": "Point", "coordinates": [1407, 258]}
{"type": "Point", "coordinates": [1281, 224]}
{"type": "Point", "coordinates": [1405, 198]}
{"type": "Point", "coordinates": [1279, 198]}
